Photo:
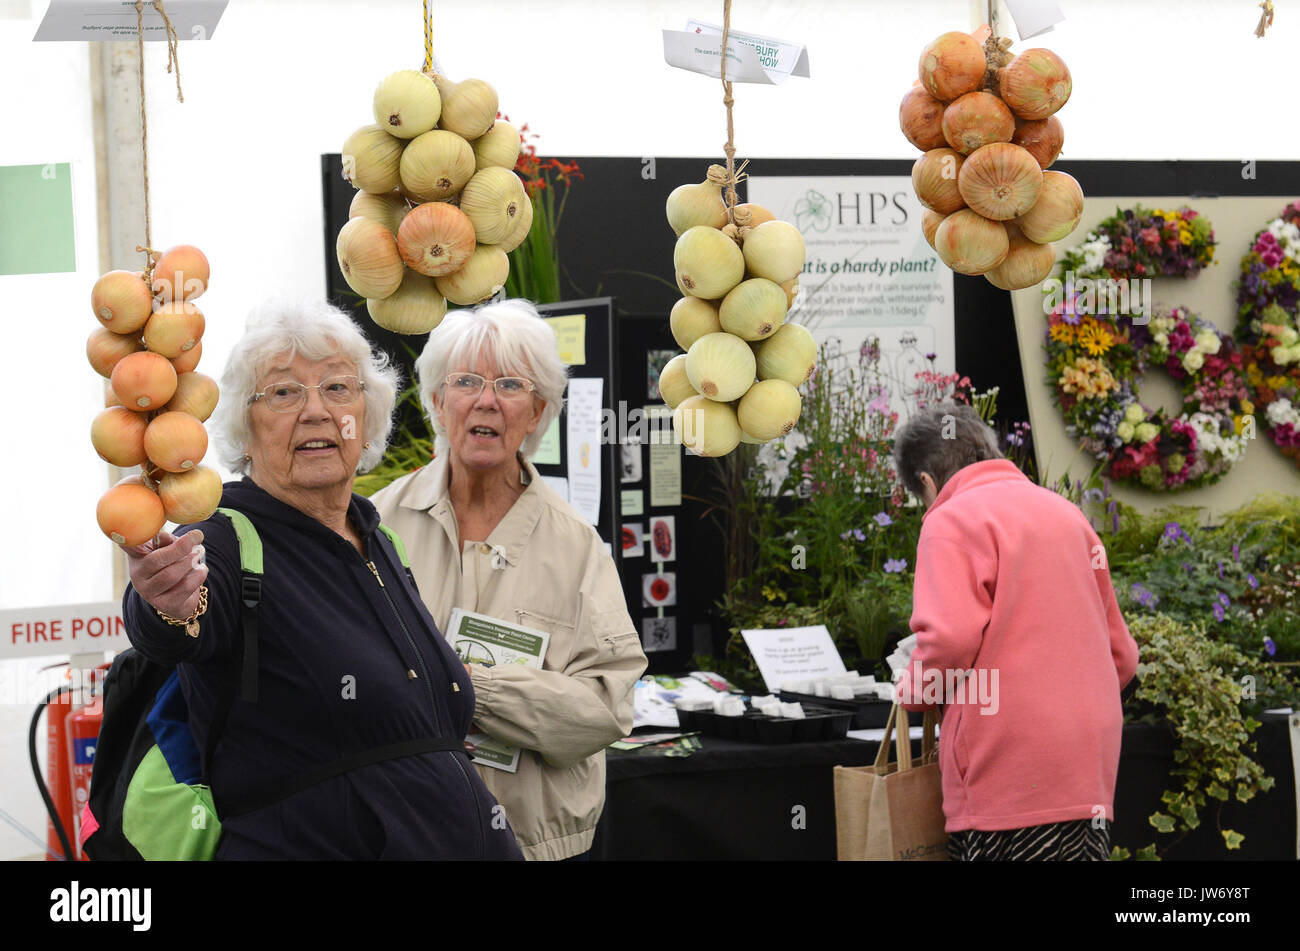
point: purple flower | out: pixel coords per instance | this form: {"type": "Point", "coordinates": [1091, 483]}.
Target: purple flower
{"type": "Point", "coordinates": [1187, 567]}
{"type": "Point", "coordinates": [856, 533]}
{"type": "Point", "coordinates": [1220, 571]}
{"type": "Point", "coordinates": [1223, 599]}
{"type": "Point", "coordinates": [1252, 581]}
{"type": "Point", "coordinates": [1172, 530]}
{"type": "Point", "coordinates": [895, 566]}
{"type": "Point", "coordinates": [1218, 611]}
{"type": "Point", "coordinates": [1269, 647]}
{"type": "Point", "coordinates": [1235, 555]}
{"type": "Point", "coordinates": [1093, 495]}
{"type": "Point", "coordinates": [931, 357]}
{"type": "Point", "coordinates": [883, 519]}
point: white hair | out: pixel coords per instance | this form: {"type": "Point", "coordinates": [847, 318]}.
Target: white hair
{"type": "Point", "coordinates": [512, 335]}
{"type": "Point", "coordinates": [315, 330]}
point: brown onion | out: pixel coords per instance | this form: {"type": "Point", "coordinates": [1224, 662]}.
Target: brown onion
{"type": "Point", "coordinates": [190, 497]}
{"type": "Point", "coordinates": [969, 243]}
{"type": "Point", "coordinates": [129, 513]}
{"type": "Point", "coordinates": [934, 179]}
{"type": "Point", "coordinates": [104, 348]}
{"type": "Point", "coordinates": [1000, 181]}
{"type": "Point", "coordinates": [435, 239]}
{"type": "Point", "coordinates": [951, 66]}
{"type": "Point", "coordinates": [1035, 84]}
{"type": "Point", "coordinates": [1025, 265]}
{"type": "Point", "coordinates": [368, 257]}
{"type": "Point", "coordinates": [1041, 138]}
{"type": "Point", "coordinates": [188, 360]}
{"type": "Point", "coordinates": [975, 120]}
{"type": "Point", "coordinates": [195, 394]}
{"type": "Point", "coordinates": [118, 436]}
{"type": "Point", "coordinates": [122, 301]}
{"type": "Point", "coordinates": [144, 380]}
{"type": "Point", "coordinates": [174, 328]}
{"type": "Point", "coordinates": [175, 441]}
{"type": "Point", "coordinates": [921, 118]}
{"type": "Point", "coordinates": [1057, 211]}
{"type": "Point", "coordinates": [930, 221]}
{"type": "Point", "coordinates": [181, 273]}
{"type": "Point", "coordinates": [753, 215]}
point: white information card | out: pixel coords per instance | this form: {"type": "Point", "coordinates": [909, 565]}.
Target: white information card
{"type": "Point", "coordinates": [793, 653]}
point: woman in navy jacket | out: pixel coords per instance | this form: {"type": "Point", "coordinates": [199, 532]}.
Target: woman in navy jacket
{"type": "Point", "coordinates": [351, 666]}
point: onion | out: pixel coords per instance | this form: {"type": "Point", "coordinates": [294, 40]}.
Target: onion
{"type": "Point", "coordinates": [519, 233]}
{"type": "Point", "coordinates": [416, 307]}
{"type": "Point", "coordinates": [104, 348]}
{"type": "Point", "coordinates": [699, 203]}
{"type": "Point", "coordinates": [707, 262]}
{"type": "Point", "coordinates": [791, 288]}
{"type": "Point", "coordinates": [388, 210]}
{"type": "Point", "coordinates": [975, 120]}
{"type": "Point", "coordinates": [969, 243]}
{"type": "Point", "coordinates": [691, 318]}
{"type": "Point", "coordinates": [749, 215]}
{"type": "Point", "coordinates": [934, 179]}
{"type": "Point", "coordinates": [1057, 211]}
{"type": "Point", "coordinates": [118, 436]}
{"type": "Point", "coordinates": [110, 398]}
{"type": "Point", "coordinates": [493, 200]}
{"type": "Point", "coordinates": [1000, 181]}
{"type": "Point", "coordinates": [770, 408]}
{"type": "Point", "coordinates": [753, 309]}
{"type": "Point", "coordinates": [1035, 84]}
{"type": "Point", "coordinates": [122, 301]}
{"type": "Point", "coordinates": [190, 497]}
{"type": "Point", "coordinates": [930, 221]}
{"type": "Point", "coordinates": [790, 354]}
{"type": "Point", "coordinates": [921, 119]}
{"type": "Point", "coordinates": [498, 146]}
{"type": "Point", "coordinates": [372, 160]}
{"type": "Point", "coordinates": [481, 277]}
{"type": "Point", "coordinates": [407, 104]}
{"type": "Point", "coordinates": [705, 427]}
{"type": "Point", "coordinates": [188, 360]}
{"type": "Point", "coordinates": [175, 441]}
{"type": "Point", "coordinates": [774, 250]}
{"type": "Point", "coordinates": [1025, 265]}
{"type": "Point", "coordinates": [952, 65]}
{"type": "Point", "coordinates": [368, 257]}
{"type": "Point", "coordinates": [720, 366]}
{"type": "Point", "coordinates": [468, 108]}
{"type": "Point", "coordinates": [130, 514]}
{"type": "Point", "coordinates": [1041, 138]}
{"type": "Point", "coordinates": [435, 166]}
{"type": "Point", "coordinates": [435, 238]}
{"type": "Point", "coordinates": [674, 385]}
{"type": "Point", "coordinates": [195, 394]}
{"type": "Point", "coordinates": [144, 380]}
{"type": "Point", "coordinates": [181, 273]}
{"type": "Point", "coordinates": [174, 328]}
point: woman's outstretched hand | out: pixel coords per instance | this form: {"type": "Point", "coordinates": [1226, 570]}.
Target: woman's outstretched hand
{"type": "Point", "coordinates": [168, 572]}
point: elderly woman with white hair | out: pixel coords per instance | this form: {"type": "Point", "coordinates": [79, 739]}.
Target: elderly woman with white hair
{"type": "Point", "coordinates": [351, 746]}
{"type": "Point", "coordinates": [487, 535]}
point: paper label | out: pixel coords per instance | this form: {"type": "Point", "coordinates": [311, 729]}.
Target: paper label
{"type": "Point", "coordinates": [665, 474]}
{"type": "Point", "coordinates": [107, 21]}
{"type": "Point", "coordinates": [570, 337]}
{"type": "Point", "coordinates": [37, 234]}
{"type": "Point", "coordinates": [548, 450]}
{"type": "Point", "coordinates": [583, 418]}
{"type": "Point", "coordinates": [632, 502]}
{"type": "Point", "coordinates": [795, 653]}
{"type": "Point", "coordinates": [1034, 17]}
{"type": "Point", "coordinates": [750, 58]}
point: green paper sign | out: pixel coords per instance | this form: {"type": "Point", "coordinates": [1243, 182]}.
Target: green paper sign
{"type": "Point", "coordinates": [36, 231]}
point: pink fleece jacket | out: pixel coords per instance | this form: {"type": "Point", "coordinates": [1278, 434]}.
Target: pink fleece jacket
{"type": "Point", "coordinates": [1012, 587]}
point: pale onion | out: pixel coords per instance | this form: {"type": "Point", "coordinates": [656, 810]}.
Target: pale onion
{"type": "Point", "coordinates": [921, 119]}
{"type": "Point", "coordinates": [791, 288]}
{"type": "Point", "coordinates": [416, 307]}
{"type": "Point", "coordinates": [195, 394]}
{"type": "Point", "coordinates": [770, 408]}
{"type": "Point", "coordinates": [1041, 138]}
{"type": "Point", "coordinates": [951, 66]}
{"type": "Point", "coordinates": [174, 328]}
{"type": "Point", "coordinates": [969, 243]}
{"type": "Point", "coordinates": [691, 318]}
{"type": "Point", "coordinates": [181, 273]}
{"type": "Point", "coordinates": [774, 250]}
{"type": "Point", "coordinates": [407, 104]}
{"type": "Point", "coordinates": [498, 146]}
{"type": "Point", "coordinates": [368, 257]}
{"type": "Point", "coordinates": [1057, 211]}
{"type": "Point", "coordinates": [468, 108]}
{"type": "Point", "coordinates": [480, 278]}
{"type": "Point", "coordinates": [372, 160]}
{"type": "Point", "coordinates": [493, 200]}
{"type": "Point", "coordinates": [706, 427]}
{"type": "Point", "coordinates": [1035, 84]}
{"type": "Point", "coordinates": [1000, 181]}
{"type": "Point", "coordinates": [707, 263]}
{"type": "Point", "coordinates": [750, 440]}
{"type": "Point", "coordinates": [190, 497]}
{"type": "Point", "coordinates": [674, 384]}
{"type": "Point", "coordinates": [389, 210]}
{"type": "Point", "coordinates": [435, 238]}
{"type": "Point", "coordinates": [188, 360]}
{"type": "Point", "coordinates": [934, 179]}
{"type": "Point", "coordinates": [175, 441]}
{"type": "Point", "coordinates": [750, 215]}
{"type": "Point", "coordinates": [519, 231]}
{"type": "Point", "coordinates": [790, 354]}
{"type": "Point", "coordinates": [130, 514]}
{"type": "Point", "coordinates": [122, 301]}
{"type": "Point", "coordinates": [753, 309]}
{"type": "Point", "coordinates": [975, 120]}
{"type": "Point", "coordinates": [1025, 265]}
{"type": "Point", "coordinates": [930, 221]}
{"type": "Point", "coordinates": [144, 380]}
{"type": "Point", "coordinates": [720, 366]}
{"type": "Point", "coordinates": [118, 436]}
{"type": "Point", "coordinates": [698, 203]}
{"type": "Point", "coordinates": [104, 348]}
{"type": "Point", "coordinates": [435, 166]}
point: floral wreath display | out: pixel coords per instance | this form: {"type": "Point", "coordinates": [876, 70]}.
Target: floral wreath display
{"type": "Point", "coordinates": [1138, 242]}
{"type": "Point", "coordinates": [1268, 314]}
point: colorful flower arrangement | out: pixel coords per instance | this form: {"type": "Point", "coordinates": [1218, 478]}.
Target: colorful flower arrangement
{"type": "Point", "coordinates": [1096, 364]}
{"type": "Point", "coordinates": [1268, 317]}
{"type": "Point", "coordinates": [1137, 242]}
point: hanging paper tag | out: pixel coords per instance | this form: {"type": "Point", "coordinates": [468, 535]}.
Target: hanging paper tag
{"type": "Point", "coordinates": [115, 20]}
{"type": "Point", "coordinates": [1034, 17]}
{"type": "Point", "coordinates": [750, 58]}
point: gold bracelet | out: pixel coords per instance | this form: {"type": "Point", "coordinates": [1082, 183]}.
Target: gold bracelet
{"type": "Point", "coordinates": [191, 623]}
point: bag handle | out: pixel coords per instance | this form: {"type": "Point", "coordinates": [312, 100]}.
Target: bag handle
{"type": "Point", "coordinates": [898, 726]}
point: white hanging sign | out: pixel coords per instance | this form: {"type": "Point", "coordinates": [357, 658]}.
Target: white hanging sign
{"type": "Point", "coordinates": [750, 58]}
{"type": "Point", "coordinates": [1034, 17]}
{"type": "Point", "coordinates": [62, 629]}
{"type": "Point", "coordinates": [115, 20]}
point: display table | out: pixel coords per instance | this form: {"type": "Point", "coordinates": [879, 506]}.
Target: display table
{"type": "Point", "coordinates": [736, 800]}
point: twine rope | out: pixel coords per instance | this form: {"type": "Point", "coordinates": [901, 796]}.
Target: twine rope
{"type": "Point", "coordinates": [729, 195]}
{"type": "Point", "coordinates": [172, 59]}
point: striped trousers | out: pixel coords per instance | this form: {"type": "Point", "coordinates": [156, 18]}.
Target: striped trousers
{"type": "Point", "coordinates": [1075, 841]}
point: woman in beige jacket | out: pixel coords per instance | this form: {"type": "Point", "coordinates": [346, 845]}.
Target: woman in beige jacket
{"type": "Point", "coordinates": [485, 534]}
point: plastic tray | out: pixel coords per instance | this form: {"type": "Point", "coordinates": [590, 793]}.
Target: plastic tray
{"type": "Point", "coordinates": [867, 713]}
{"type": "Point", "coordinates": [819, 723]}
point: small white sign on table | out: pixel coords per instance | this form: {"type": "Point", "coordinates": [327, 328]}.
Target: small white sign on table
{"type": "Point", "coordinates": [116, 20]}
{"type": "Point", "coordinates": [750, 58]}
{"type": "Point", "coordinates": [793, 653]}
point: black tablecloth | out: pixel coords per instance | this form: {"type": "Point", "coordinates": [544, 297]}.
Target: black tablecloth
{"type": "Point", "coordinates": [736, 800]}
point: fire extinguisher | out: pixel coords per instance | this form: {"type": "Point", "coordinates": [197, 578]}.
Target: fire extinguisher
{"type": "Point", "coordinates": [82, 731]}
{"type": "Point", "coordinates": [58, 793]}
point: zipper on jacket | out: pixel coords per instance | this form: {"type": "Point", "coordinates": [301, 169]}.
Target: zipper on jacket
{"type": "Point", "coordinates": [419, 657]}
{"type": "Point", "coordinates": [375, 571]}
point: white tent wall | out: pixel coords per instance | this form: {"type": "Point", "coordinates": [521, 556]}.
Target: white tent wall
{"type": "Point", "coordinates": [236, 170]}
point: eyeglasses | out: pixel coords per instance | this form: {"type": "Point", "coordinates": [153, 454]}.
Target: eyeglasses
{"type": "Point", "coordinates": [470, 385]}
{"type": "Point", "coordinates": [288, 396]}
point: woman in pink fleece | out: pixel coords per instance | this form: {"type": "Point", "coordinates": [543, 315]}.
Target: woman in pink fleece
{"type": "Point", "coordinates": [1019, 638]}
